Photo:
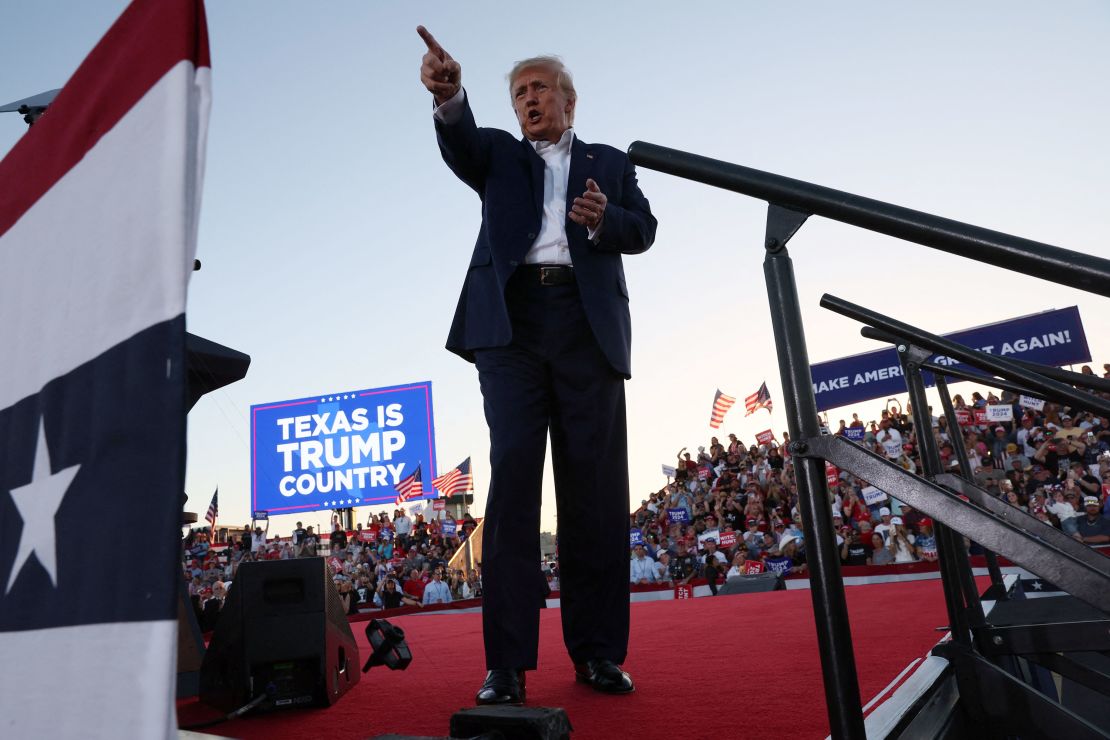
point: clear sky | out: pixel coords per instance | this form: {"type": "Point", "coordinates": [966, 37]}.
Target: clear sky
{"type": "Point", "coordinates": [334, 240]}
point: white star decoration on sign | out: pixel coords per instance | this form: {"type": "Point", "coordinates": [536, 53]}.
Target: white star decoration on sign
{"type": "Point", "coordinates": [38, 503]}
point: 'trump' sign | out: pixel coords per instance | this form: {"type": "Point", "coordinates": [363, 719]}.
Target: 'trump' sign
{"type": "Point", "coordinates": [1051, 338]}
{"type": "Point", "coordinates": [337, 451]}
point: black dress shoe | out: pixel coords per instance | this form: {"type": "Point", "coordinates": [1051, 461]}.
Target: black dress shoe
{"type": "Point", "coordinates": [502, 686]}
{"type": "Point", "coordinates": [604, 676]}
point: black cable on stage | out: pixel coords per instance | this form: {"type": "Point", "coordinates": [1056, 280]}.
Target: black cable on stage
{"type": "Point", "coordinates": [256, 701]}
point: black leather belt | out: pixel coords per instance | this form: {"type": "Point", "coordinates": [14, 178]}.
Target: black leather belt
{"type": "Point", "coordinates": [549, 274]}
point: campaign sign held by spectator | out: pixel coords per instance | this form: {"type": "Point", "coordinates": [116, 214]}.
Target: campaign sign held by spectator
{"type": "Point", "coordinates": [341, 450]}
{"type": "Point", "coordinates": [765, 437]}
{"type": "Point", "coordinates": [1037, 404]}
{"type": "Point", "coordinates": [963, 417]}
{"type": "Point", "coordinates": [1000, 412]}
{"type": "Point", "coordinates": [260, 516]}
{"type": "Point", "coordinates": [752, 567]}
{"type": "Point", "coordinates": [728, 539]}
{"type": "Point", "coordinates": [684, 591]}
{"type": "Point", "coordinates": [832, 474]}
{"type": "Point", "coordinates": [448, 528]}
{"type": "Point", "coordinates": [635, 537]}
{"type": "Point", "coordinates": [855, 434]}
{"type": "Point", "coordinates": [440, 504]}
{"type": "Point", "coordinates": [1051, 338]}
{"type": "Point", "coordinates": [872, 495]}
{"type": "Point", "coordinates": [678, 516]}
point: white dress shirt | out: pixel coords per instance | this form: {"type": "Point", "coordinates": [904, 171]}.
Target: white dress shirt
{"type": "Point", "coordinates": [437, 592]}
{"type": "Point", "coordinates": [551, 246]}
{"type": "Point", "coordinates": [642, 568]}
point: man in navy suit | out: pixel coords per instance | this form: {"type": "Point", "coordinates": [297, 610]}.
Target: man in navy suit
{"type": "Point", "coordinates": [544, 316]}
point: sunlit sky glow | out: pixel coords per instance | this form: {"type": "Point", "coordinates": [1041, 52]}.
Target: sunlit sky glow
{"type": "Point", "coordinates": [334, 240]}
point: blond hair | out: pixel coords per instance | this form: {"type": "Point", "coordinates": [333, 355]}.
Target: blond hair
{"type": "Point", "coordinates": [563, 77]}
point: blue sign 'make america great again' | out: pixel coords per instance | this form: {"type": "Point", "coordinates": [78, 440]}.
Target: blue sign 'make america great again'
{"type": "Point", "coordinates": [1053, 337]}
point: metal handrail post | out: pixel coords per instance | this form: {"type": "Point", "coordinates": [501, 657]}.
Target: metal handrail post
{"type": "Point", "coordinates": [948, 551]}
{"type": "Point", "coordinates": [956, 439]}
{"type": "Point", "coordinates": [830, 610]}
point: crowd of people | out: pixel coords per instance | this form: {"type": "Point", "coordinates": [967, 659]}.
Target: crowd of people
{"type": "Point", "coordinates": [394, 561]}
{"type": "Point", "coordinates": [732, 509]}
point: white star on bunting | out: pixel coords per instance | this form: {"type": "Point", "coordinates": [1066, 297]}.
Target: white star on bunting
{"type": "Point", "coordinates": [38, 503]}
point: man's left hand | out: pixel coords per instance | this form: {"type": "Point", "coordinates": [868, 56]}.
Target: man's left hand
{"type": "Point", "coordinates": [590, 208]}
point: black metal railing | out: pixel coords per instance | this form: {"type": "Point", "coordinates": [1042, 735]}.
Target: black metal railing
{"type": "Point", "coordinates": [790, 203]}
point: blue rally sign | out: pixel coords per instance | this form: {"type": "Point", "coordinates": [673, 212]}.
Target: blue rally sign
{"type": "Point", "coordinates": [1053, 337]}
{"type": "Point", "coordinates": [342, 450]}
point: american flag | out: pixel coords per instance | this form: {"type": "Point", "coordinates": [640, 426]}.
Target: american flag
{"type": "Point", "coordinates": [456, 480]}
{"type": "Point", "coordinates": [761, 399]}
{"type": "Point", "coordinates": [721, 405]}
{"type": "Point", "coordinates": [213, 508]}
{"type": "Point", "coordinates": [97, 243]}
{"type": "Point", "coordinates": [410, 487]}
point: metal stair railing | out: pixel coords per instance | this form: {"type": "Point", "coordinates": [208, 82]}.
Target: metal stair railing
{"type": "Point", "coordinates": [790, 203]}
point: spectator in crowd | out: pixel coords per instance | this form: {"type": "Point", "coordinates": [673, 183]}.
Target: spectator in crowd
{"type": "Point", "coordinates": [901, 542]}
{"type": "Point", "coordinates": [776, 562]}
{"type": "Point", "coordinates": [737, 568]}
{"type": "Point", "coordinates": [338, 540]}
{"type": "Point", "coordinates": [880, 554]}
{"type": "Point", "coordinates": [888, 440]}
{"type": "Point", "coordinates": [299, 535]}
{"type": "Point", "coordinates": [713, 568]}
{"type": "Point", "coordinates": [310, 544]}
{"type": "Point", "coordinates": [364, 590]}
{"type": "Point", "coordinates": [663, 568]}
{"type": "Point", "coordinates": [436, 591]}
{"type": "Point", "coordinates": [389, 596]}
{"type": "Point", "coordinates": [1094, 528]}
{"type": "Point", "coordinates": [641, 568]}
{"type": "Point", "coordinates": [884, 527]}
{"type": "Point", "coordinates": [455, 583]}
{"type": "Point", "coordinates": [1064, 506]}
{"type": "Point", "coordinates": [258, 540]}
{"type": "Point", "coordinates": [402, 526]}
{"type": "Point", "coordinates": [855, 510]}
{"type": "Point", "coordinates": [926, 542]}
{"type": "Point", "coordinates": [791, 550]}
{"type": "Point", "coordinates": [348, 599]}
{"type": "Point", "coordinates": [712, 553]}
{"type": "Point", "coordinates": [684, 566]}
{"type": "Point", "coordinates": [415, 584]}
{"type": "Point", "coordinates": [472, 588]}
{"type": "Point", "coordinates": [853, 551]}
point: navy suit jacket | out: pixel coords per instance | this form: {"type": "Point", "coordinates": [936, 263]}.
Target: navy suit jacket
{"type": "Point", "coordinates": [507, 174]}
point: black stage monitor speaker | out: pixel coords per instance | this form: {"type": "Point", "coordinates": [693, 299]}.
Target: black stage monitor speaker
{"type": "Point", "coordinates": [282, 633]}
{"type": "Point", "coordinates": [753, 584]}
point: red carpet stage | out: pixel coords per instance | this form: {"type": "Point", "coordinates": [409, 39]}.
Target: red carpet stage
{"type": "Point", "coordinates": [732, 666]}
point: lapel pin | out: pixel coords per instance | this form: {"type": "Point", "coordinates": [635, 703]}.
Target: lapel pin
{"type": "Point", "coordinates": [589, 155]}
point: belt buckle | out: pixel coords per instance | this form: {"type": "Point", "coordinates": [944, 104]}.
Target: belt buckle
{"type": "Point", "coordinates": [548, 275]}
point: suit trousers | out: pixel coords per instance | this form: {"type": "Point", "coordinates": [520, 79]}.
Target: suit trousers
{"type": "Point", "coordinates": [553, 378]}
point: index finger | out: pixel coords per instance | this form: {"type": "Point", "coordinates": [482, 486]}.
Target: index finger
{"type": "Point", "coordinates": [430, 41]}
